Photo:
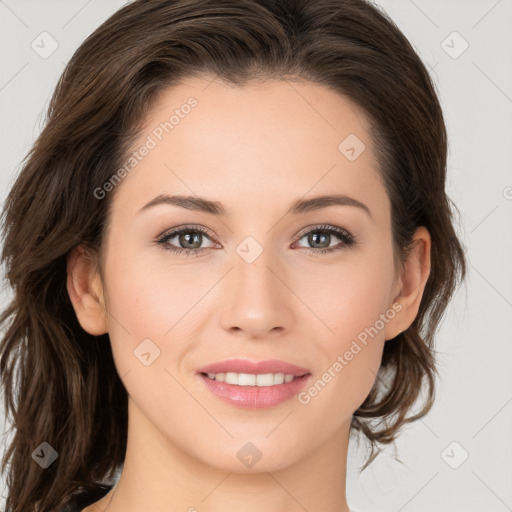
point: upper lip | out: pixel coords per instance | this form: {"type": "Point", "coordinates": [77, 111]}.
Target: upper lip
{"type": "Point", "coordinates": [254, 367]}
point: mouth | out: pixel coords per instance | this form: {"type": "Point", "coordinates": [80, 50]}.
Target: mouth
{"type": "Point", "coordinates": [248, 367]}
{"type": "Point", "coordinates": [251, 379]}
{"type": "Point", "coordinates": [254, 385]}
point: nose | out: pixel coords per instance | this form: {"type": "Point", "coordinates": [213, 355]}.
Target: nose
{"type": "Point", "coordinates": [258, 303]}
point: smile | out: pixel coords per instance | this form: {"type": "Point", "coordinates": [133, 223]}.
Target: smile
{"type": "Point", "coordinates": [250, 379]}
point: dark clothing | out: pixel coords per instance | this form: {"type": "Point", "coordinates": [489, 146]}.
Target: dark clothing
{"type": "Point", "coordinates": [81, 499]}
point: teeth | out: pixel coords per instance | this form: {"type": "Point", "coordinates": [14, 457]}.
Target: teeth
{"type": "Point", "coordinates": [250, 379]}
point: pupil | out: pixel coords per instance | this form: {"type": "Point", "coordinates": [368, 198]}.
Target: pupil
{"type": "Point", "coordinates": [314, 236]}
{"type": "Point", "coordinates": [185, 239]}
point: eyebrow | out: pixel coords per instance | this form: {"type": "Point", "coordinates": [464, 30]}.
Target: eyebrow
{"type": "Point", "coordinates": [298, 207]}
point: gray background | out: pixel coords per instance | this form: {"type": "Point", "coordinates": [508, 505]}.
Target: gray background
{"type": "Point", "coordinates": [472, 416]}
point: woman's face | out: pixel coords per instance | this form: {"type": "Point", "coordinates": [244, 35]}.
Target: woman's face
{"type": "Point", "coordinates": [252, 284]}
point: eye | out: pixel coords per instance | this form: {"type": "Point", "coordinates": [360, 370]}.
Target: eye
{"type": "Point", "coordinates": [189, 239]}
{"type": "Point", "coordinates": [320, 238]}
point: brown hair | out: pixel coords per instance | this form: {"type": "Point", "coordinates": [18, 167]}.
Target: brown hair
{"type": "Point", "coordinates": [60, 383]}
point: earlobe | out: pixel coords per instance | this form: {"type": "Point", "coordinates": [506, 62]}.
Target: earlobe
{"type": "Point", "coordinates": [86, 291]}
{"type": "Point", "coordinates": [412, 283]}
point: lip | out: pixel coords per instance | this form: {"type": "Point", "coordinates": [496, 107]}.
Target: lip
{"type": "Point", "coordinates": [254, 367]}
{"type": "Point", "coordinates": [254, 397]}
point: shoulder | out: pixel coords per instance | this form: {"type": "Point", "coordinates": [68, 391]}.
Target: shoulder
{"type": "Point", "coordinates": [82, 498]}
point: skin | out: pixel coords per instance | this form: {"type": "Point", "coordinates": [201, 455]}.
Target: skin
{"type": "Point", "coordinates": [256, 149]}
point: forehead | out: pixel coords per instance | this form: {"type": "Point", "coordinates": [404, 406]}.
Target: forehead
{"type": "Point", "coordinates": [265, 138]}
{"type": "Point", "coordinates": [313, 111]}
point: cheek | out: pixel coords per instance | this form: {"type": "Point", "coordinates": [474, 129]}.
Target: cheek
{"type": "Point", "coordinates": [152, 299]}
{"type": "Point", "coordinates": [148, 294]}
{"type": "Point", "coordinates": [348, 297]}
{"type": "Point", "coordinates": [145, 306]}
{"type": "Point", "coordinates": [353, 301]}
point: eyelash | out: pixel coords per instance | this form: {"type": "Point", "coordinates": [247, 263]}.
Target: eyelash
{"type": "Point", "coordinates": [347, 239]}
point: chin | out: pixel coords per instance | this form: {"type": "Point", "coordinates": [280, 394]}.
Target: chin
{"type": "Point", "coordinates": [249, 455]}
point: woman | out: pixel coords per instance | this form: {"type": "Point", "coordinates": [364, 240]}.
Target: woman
{"type": "Point", "coordinates": [230, 249]}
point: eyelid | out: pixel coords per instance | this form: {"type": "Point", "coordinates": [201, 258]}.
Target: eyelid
{"type": "Point", "coordinates": [187, 227]}
{"type": "Point", "coordinates": [322, 227]}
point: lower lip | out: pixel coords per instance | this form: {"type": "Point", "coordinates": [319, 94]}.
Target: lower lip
{"type": "Point", "coordinates": [255, 397]}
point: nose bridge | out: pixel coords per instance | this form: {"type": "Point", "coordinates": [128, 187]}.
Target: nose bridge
{"type": "Point", "coordinates": [252, 270]}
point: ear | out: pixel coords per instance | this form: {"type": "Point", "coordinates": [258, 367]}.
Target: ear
{"type": "Point", "coordinates": [86, 291]}
{"type": "Point", "coordinates": [411, 284]}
